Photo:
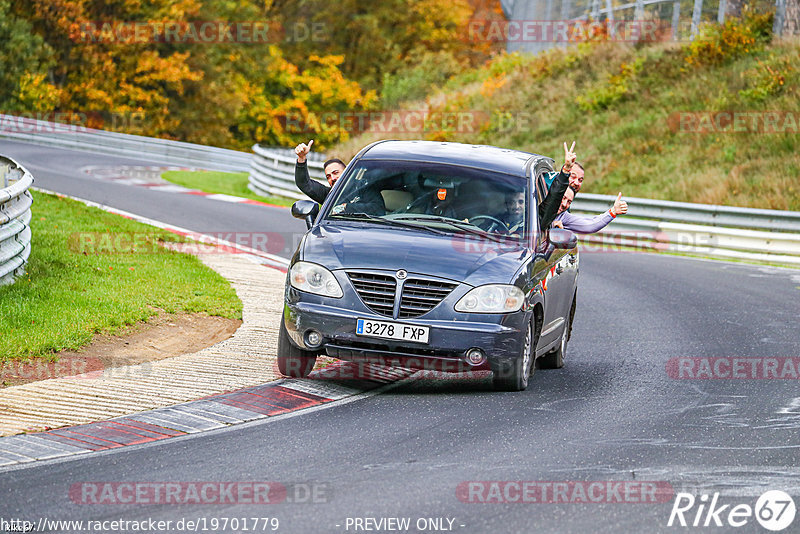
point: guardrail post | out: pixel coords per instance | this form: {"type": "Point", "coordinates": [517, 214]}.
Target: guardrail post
{"type": "Point", "coordinates": [610, 17]}
{"type": "Point", "coordinates": [638, 12]}
{"type": "Point", "coordinates": [696, 13]}
{"type": "Point", "coordinates": [780, 16]}
{"type": "Point", "coordinates": [676, 19]}
{"type": "Point", "coordinates": [566, 7]}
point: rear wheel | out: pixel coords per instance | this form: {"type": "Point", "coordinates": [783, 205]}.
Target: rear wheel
{"type": "Point", "coordinates": [514, 377]}
{"type": "Point", "coordinates": [555, 358]}
{"type": "Point", "coordinates": [292, 361]}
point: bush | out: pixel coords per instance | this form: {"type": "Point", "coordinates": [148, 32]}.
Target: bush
{"type": "Point", "coordinates": [717, 44]}
{"type": "Point", "coordinates": [616, 88]}
{"type": "Point", "coordinates": [414, 83]}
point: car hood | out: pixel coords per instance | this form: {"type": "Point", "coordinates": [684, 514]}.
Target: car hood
{"type": "Point", "coordinates": [468, 259]}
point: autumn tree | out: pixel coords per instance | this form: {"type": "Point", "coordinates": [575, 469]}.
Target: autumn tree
{"type": "Point", "coordinates": [24, 62]}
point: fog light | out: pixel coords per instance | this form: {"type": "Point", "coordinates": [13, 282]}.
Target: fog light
{"type": "Point", "coordinates": [475, 356]}
{"type": "Point", "coordinates": [313, 339]}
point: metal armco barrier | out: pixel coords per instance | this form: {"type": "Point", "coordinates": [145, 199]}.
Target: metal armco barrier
{"type": "Point", "coordinates": [715, 231]}
{"type": "Point", "coordinates": [78, 137]}
{"type": "Point", "coordinates": [15, 219]}
{"type": "Point", "coordinates": [272, 171]}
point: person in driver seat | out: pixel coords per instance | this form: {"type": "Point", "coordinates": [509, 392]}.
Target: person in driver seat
{"type": "Point", "coordinates": [438, 201]}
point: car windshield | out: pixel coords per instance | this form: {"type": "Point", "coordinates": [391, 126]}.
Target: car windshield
{"type": "Point", "coordinates": [451, 198]}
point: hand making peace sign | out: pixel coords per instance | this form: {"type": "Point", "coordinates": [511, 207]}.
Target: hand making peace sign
{"type": "Point", "coordinates": [569, 157]}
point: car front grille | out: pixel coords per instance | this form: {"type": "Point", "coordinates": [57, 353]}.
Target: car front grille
{"type": "Point", "coordinates": [376, 290]}
{"type": "Point", "coordinates": [420, 295]}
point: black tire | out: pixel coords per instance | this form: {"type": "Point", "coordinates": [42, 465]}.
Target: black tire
{"type": "Point", "coordinates": [515, 376]}
{"type": "Point", "coordinates": [555, 358]}
{"type": "Point", "coordinates": [292, 361]}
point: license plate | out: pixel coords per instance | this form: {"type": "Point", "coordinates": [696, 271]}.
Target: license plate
{"type": "Point", "coordinates": [387, 330]}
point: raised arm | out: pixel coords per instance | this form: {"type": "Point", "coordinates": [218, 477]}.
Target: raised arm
{"type": "Point", "coordinates": [315, 190]}
{"type": "Point", "coordinates": [590, 225]}
{"type": "Point", "coordinates": [548, 209]}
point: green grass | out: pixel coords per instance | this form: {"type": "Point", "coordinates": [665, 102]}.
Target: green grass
{"type": "Point", "coordinates": [226, 183]}
{"type": "Point", "coordinates": [621, 104]}
{"type": "Point", "coordinates": [67, 296]}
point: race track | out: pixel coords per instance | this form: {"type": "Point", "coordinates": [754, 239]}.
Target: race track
{"type": "Point", "coordinates": [613, 413]}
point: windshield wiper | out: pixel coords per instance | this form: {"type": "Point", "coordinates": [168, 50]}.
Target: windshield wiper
{"type": "Point", "coordinates": [473, 230]}
{"type": "Point", "coordinates": [391, 222]}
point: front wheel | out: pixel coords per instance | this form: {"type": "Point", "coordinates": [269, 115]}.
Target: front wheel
{"type": "Point", "coordinates": [514, 377]}
{"type": "Point", "coordinates": [555, 358]}
{"type": "Point", "coordinates": [292, 361]}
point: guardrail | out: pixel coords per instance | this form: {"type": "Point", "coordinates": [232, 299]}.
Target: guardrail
{"type": "Point", "coordinates": [717, 231]}
{"type": "Point", "coordinates": [272, 171]}
{"type": "Point", "coordinates": [15, 219]}
{"type": "Point", "coordinates": [78, 137]}
{"type": "Point", "coordinates": [707, 230]}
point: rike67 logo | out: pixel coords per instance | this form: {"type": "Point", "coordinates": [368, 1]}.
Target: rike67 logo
{"type": "Point", "coordinates": [774, 510]}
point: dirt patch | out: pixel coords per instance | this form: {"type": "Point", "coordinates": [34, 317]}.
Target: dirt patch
{"type": "Point", "coordinates": [164, 336]}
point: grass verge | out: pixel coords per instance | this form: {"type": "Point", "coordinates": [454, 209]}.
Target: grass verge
{"type": "Point", "coordinates": [73, 291]}
{"type": "Point", "coordinates": [225, 183]}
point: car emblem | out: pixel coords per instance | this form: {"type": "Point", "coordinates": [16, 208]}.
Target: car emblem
{"type": "Point", "coordinates": [401, 274]}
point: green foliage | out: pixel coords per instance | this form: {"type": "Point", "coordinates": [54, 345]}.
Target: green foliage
{"type": "Point", "coordinates": [767, 80]}
{"type": "Point", "coordinates": [379, 38]}
{"type": "Point", "coordinates": [616, 88]}
{"type": "Point", "coordinates": [418, 79]}
{"type": "Point", "coordinates": [67, 296]}
{"type": "Point", "coordinates": [24, 61]}
{"type": "Point", "coordinates": [717, 44]}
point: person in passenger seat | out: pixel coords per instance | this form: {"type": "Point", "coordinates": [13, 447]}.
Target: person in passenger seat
{"type": "Point", "coordinates": [587, 225]}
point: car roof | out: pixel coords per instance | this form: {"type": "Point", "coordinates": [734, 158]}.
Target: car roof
{"type": "Point", "coordinates": [478, 156]}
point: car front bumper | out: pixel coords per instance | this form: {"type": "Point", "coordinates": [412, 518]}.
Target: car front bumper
{"type": "Point", "coordinates": [452, 334]}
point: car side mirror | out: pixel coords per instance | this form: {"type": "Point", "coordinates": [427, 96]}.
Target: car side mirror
{"type": "Point", "coordinates": [307, 210]}
{"type": "Point", "coordinates": [563, 238]}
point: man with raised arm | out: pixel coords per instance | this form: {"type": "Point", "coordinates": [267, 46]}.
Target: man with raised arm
{"type": "Point", "coordinates": [548, 209]}
{"type": "Point", "coordinates": [367, 200]}
{"type": "Point", "coordinates": [333, 169]}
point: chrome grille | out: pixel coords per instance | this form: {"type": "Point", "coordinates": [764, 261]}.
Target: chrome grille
{"type": "Point", "coordinates": [376, 291]}
{"type": "Point", "coordinates": [421, 296]}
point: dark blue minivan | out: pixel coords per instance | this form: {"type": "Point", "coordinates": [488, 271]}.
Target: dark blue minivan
{"type": "Point", "coordinates": [429, 255]}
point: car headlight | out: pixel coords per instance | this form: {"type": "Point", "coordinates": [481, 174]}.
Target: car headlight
{"type": "Point", "coordinates": [492, 298]}
{"type": "Point", "coordinates": [313, 278]}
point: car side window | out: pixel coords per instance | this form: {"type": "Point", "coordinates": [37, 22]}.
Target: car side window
{"type": "Point", "coordinates": [543, 178]}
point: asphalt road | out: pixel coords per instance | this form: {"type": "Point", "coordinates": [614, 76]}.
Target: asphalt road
{"type": "Point", "coordinates": [613, 413]}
